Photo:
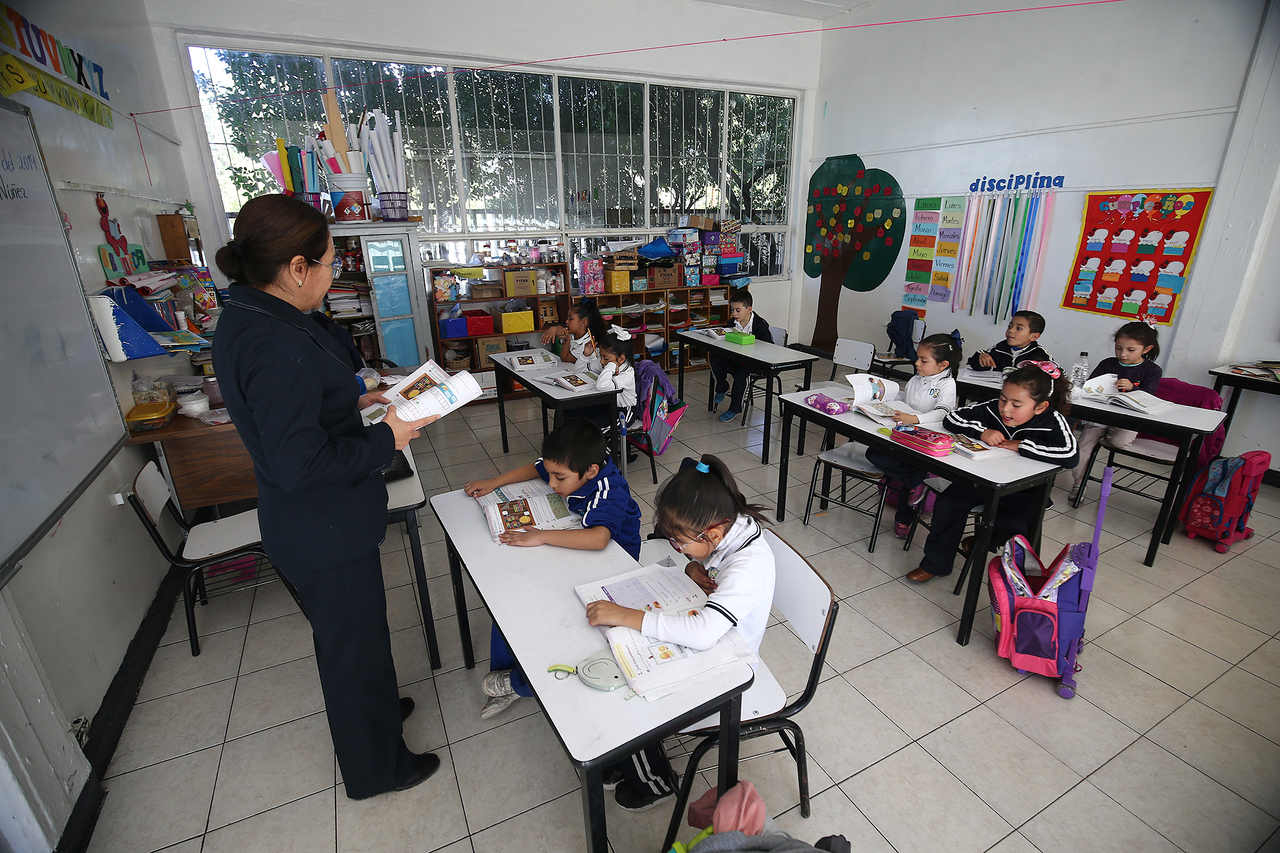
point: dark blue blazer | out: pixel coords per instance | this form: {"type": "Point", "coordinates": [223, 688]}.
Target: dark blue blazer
{"type": "Point", "coordinates": [292, 396]}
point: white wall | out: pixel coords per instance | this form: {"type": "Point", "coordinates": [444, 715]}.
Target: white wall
{"type": "Point", "coordinates": [83, 591]}
{"type": "Point", "coordinates": [1063, 92]}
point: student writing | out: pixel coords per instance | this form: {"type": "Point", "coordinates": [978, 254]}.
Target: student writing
{"type": "Point", "coordinates": [574, 464]}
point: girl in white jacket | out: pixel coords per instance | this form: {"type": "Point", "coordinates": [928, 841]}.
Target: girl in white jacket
{"type": "Point", "coordinates": [706, 518]}
{"type": "Point", "coordinates": [616, 371]}
{"type": "Point", "coordinates": [932, 393]}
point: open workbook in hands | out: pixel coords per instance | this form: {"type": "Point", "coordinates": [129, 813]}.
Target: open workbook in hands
{"type": "Point", "coordinates": [429, 390]}
{"type": "Point", "coordinates": [654, 668]}
{"type": "Point", "coordinates": [532, 503]}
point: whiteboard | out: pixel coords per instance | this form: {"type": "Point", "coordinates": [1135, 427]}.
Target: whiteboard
{"type": "Point", "coordinates": [59, 421]}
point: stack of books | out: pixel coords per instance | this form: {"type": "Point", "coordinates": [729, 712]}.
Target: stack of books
{"type": "Point", "coordinates": [349, 300]}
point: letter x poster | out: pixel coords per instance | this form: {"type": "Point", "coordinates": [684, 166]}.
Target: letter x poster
{"type": "Point", "coordinates": [1135, 251]}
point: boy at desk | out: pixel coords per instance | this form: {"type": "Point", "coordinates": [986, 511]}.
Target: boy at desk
{"type": "Point", "coordinates": [574, 463]}
{"type": "Point", "coordinates": [1021, 343]}
{"type": "Point", "coordinates": [745, 319]}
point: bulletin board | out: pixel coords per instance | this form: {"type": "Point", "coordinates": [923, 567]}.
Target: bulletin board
{"type": "Point", "coordinates": [1135, 251]}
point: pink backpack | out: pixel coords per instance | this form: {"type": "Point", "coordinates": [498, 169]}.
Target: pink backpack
{"type": "Point", "coordinates": [1222, 497]}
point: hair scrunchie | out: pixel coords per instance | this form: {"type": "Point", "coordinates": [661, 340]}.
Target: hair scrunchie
{"type": "Point", "coordinates": [1047, 366]}
{"type": "Point", "coordinates": [703, 468]}
{"type": "Point", "coordinates": [236, 249]}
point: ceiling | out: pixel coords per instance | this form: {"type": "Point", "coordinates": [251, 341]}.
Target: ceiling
{"type": "Point", "coordinates": [818, 10]}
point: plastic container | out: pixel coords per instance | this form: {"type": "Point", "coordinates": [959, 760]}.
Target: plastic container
{"type": "Point", "coordinates": [211, 390]}
{"type": "Point", "coordinates": [395, 206]}
{"type": "Point", "coordinates": [193, 404]}
{"type": "Point", "coordinates": [350, 197]}
{"type": "Point", "coordinates": [150, 416]}
{"type": "Point", "coordinates": [1080, 371]}
{"type": "Point", "coordinates": [320, 201]}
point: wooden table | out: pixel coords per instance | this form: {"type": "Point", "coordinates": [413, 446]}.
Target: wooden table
{"type": "Point", "coordinates": [529, 593]}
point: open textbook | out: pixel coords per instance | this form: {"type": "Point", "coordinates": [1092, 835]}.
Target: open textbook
{"type": "Point", "coordinates": [531, 359]}
{"type": "Point", "coordinates": [429, 390]}
{"type": "Point", "coordinates": [974, 449]}
{"type": "Point", "coordinates": [653, 668]}
{"type": "Point", "coordinates": [516, 506]}
{"type": "Point", "coordinates": [573, 380]}
{"type": "Point", "coordinates": [994, 378]}
{"type": "Point", "coordinates": [1103, 389]}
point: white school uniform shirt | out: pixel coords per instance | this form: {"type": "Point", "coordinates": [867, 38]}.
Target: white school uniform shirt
{"type": "Point", "coordinates": [623, 380]}
{"type": "Point", "coordinates": [743, 569]}
{"type": "Point", "coordinates": [582, 361]}
{"type": "Point", "coordinates": [933, 396]}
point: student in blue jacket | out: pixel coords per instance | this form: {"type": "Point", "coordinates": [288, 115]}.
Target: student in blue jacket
{"type": "Point", "coordinates": [322, 504]}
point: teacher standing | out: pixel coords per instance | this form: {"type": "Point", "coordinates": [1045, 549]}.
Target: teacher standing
{"type": "Point", "coordinates": [322, 502]}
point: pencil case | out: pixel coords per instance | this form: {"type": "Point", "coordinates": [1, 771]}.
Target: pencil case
{"type": "Point", "coordinates": [927, 441]}
{"type": "Point", "coordinates": [825, 404]}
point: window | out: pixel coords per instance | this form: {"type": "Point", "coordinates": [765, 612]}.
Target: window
{"type": "Point", "coordinates": [684, 146]}
{"type": "Point", "coordinates": [602, 145]}
{"type": "Point", "coordinates": [759, 158]}
{"type": "Point", "coordinates": [420, 94]}
{"type": "Point", "coordinates": [507, 126]}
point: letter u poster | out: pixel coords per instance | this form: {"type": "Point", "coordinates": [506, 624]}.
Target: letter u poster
{"type": "Point", "coordinates": [1135, 252]}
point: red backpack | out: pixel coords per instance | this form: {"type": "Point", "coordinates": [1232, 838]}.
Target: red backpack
{"type": "Point", "coordinates": [1221, 498]}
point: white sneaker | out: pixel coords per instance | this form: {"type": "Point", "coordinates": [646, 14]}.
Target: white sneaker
{"type": "Point", "coordinates": [497, 704]}
{"type": "Point", "coordinates": [498, 683]}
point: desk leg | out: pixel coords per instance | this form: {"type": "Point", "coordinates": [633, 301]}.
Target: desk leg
{"type": "Point", "coordinates": [768, 416]}
{"type": "Point", "coordinates": [557, 418]}
{"type": "Point", "coordinates": [593, 809]}
{"type": "Point", "coordinates": [730, 730]}
{"type": "Point", "coordinates": [1231, 404]}
{"type": "Point", "coordinates": [808, 378]}
{"type": "Point", "coordinates": [424, 597]}
{"type": "Point", "coordinates": [1169, 504]}
{"type": "Point", "coordinates": [1037, 523]}
{"type": "Point", "coordinates": [460, 602]}
{"type": "Point", "coordinates": [787, 416]}
{"type": "Point", "coordinates": [1184, 485]}
{"type": "Point", "coordinates": [682, 349]}
{"type": "Point", "coordinates": [975, 561]}
{"type": "Point", "coordinates": [498, 381]}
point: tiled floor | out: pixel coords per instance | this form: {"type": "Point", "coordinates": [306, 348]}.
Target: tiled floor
{"type": "Point", "coordinates": [917, 744]}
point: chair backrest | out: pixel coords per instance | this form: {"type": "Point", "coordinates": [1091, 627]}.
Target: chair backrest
{"type": "Point", "coordinates": [1201, 397]}
{"type": "Point", "coordinates": [779, 335]}
{"type": "Point", "coordinates": [152, 491]}
{"type": "Point", "coordinates": [806, 601]}
{"type": "Point", "coordinates": [854, 354]}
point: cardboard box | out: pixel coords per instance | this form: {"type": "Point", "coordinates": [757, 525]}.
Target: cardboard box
{"type": "Point", "coordinates": [639, 282]}
{"type": "Point", "coordinates": [520, 283]}
{"type": "Point", "coordinates": [486, 347]}
{"type": "Point", "coordinates": [711, 238]}
{"type": "Point", "coordinates": [590, 275]}
{"type": "Point", "coordinates": [692, 276]}
{"type": "Point", "coordinates": [710, 280]}
{"type": "Point", "coordinates": [456, 328]}
{"type": "Point", "coordinates": [730, 225]}
{"type": "Point", "coordinates": [617, 281]}
{"type": "Point", "coordinates": [692, 220]}
{"type": "Point", "coordinates": [513, 322]}
{"type": "Point", "coordinates": [488, 291]}
{"type": "Point", "coordinates": [478, 322]}
{"type": "Point", "coordinates": [661, 278]}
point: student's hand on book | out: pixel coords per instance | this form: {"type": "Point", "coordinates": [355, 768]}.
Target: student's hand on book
{"type": "Point", "coordinates": [699, 575]}
{"type": "Point", "coordinates": [607, 614]}
{"type": "Point", "coordinates": [478, 488]}
{"type": "Point", "coordinates": [904, 418]}
{"type": "Point", "coordinates": [993, 437]}
{"type": "Point", "coordinates": [1009, 444]}
{"type": "Point", "coordinates": [367, 400]}
{"type": "Point", "coordinates": [1124, 385]}
{"type": "Point", "coordinates": [405, 431]}
{"type": "Point", "coordinates": [986, 360]}
{"type": "Point", "coordinates": [526, 538]}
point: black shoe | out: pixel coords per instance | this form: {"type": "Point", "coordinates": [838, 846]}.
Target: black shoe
{"type": "Point", "coordinates": [425, 764]}
{"type": "Point", "coordinates": [635, 800]}
{"type": "Point", "coordinates": [612, 777]}
{"type": "Point", "coordinates": [406, 707]}
{"type": "Point", "coordinates": [632, 457]}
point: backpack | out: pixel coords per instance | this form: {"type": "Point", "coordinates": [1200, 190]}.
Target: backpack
{"type": "Point", "coordinates": [901, 329]}
{"type": "Point", "coordinates": [1222, 497]}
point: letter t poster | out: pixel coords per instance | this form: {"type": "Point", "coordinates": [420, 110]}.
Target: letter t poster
{"type": "Point", "coordinates": [933, 251]}
{"type": "Point", "coordinates": [1135, 250]}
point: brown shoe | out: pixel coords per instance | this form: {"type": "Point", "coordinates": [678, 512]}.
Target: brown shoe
{"type": "Point", "coordinates": [966, 545]}
{"type": "Point", "coordinates": [919, 576]}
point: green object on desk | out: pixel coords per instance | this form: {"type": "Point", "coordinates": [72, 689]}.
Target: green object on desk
{"type": "Point", "coordinates": [741, 338]}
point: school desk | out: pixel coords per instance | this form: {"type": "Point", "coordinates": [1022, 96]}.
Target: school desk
{"type": "Point", "coordinates": [209, 464]}
{"type": "Point", "coordinates": [1238, 382]}
{"type": "Point", "coordinates": [1186, 425]}
{"type": "Point", "coordinates": [994, 479]}
{"type": "Point", "coordinates": [769, 360]}
{"type": "Point", "coordinates": [529, 593]}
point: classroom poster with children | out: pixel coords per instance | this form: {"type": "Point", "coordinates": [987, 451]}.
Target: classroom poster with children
{"type": "Point", "coordinates": [1135, 251]}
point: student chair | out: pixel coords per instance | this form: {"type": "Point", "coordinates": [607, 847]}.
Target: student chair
{"type": "Point", "coordinates": [851, 461]}
{"type": "Point", "coordinates": [1153, 452]}
{"type": "Point", "coordinates": [203, 545]}
{"type": "Point", "coordinates": [755, 382]}
{"type": "Point", "coordinates": [936, 486]}
{"type": "Point", "coordinates": [806, 602]}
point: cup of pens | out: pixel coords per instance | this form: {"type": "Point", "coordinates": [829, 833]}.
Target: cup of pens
{"type": "Point", "coordinates": [395, 206]}
{"type": "Point", "coordinates": [349, 192]}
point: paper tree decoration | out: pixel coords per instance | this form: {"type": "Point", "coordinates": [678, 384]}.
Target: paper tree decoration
{"type": "Point", "coordinates": [854, 230]}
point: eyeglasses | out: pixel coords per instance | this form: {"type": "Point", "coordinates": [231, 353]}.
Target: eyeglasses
{"type": "Point", "coordinates": [336, 265]}
{"type": "Point", "coordinates": [701, 537]}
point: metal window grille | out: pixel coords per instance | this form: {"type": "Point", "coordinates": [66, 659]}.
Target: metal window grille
{"type": "Point", "coordinates": [602, 148]}
{"type": "Point", "coordinates": [759, 173]}
{"type": "Point", "coordinates": [685, 160]}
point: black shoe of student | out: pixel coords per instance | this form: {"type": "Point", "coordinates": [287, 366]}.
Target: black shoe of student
{"type": "Point", "coordinates": [612, 777]}
{"type": "Point", "coordinates": [632, 457]}
{"type": "Point", "coordinates": [406, 707]}
{"type": "Point", "coordinates": [636, 800]}
{"type": "Point", "coordinates": [423, 767]}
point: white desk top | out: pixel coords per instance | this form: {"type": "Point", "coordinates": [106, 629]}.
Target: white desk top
{"type": "Point", "coordinates": [529, 591]}
{"type": "Point", "coordinates": [1188, 418]}
{"type": "Point", "coordinates": [548, 390]}
{"type": "Point", "coordinates": [759, 351]}
{"type": "Point", "coordinates": [1002, 470]}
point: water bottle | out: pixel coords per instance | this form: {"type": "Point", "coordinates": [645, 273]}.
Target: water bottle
{"type": "Point", "coordinates": [1080, 372]}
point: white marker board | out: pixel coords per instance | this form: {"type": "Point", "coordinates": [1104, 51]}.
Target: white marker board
{"type": "Point", "coordinates": [60, 423]}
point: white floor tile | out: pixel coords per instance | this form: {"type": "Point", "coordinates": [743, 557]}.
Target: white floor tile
{"type": "Point", "coordinates": [173, 725]}
{"type": "Point", "coordinates": [275, 695]}
{"type": "Point", "coordinates": [272, 767]}
{"type": "Point", "coordinates": [302, 826]}
{"type": "Point", "coordinates": [142, 811]}
{"type": "Point", "coordinates": [425, 817]}
{"type": "Point", "coordinates": [1085, 820]}
{"type": "Point", "coordinates": [910, 692]}
{"type": "Point", "coordinates": [1075, 731]}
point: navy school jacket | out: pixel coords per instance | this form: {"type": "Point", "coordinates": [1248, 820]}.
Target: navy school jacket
{"type": "Point", "coordinates": [1046, 437]}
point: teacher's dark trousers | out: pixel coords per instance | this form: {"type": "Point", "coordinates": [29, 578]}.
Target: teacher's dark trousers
{"type": "Point", "coordinates": [347, 608]}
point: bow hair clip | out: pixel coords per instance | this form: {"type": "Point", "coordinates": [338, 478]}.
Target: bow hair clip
{"type": "Point", "coordinates": [1047, 366]}
{"type": "Point", "coordinates": [620, 333]}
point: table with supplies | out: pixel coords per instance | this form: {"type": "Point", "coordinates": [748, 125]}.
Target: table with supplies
{"type": "Point", "coordinates": [530, 594]}
{"type": "Point", "coordinates": [995, 478]}
{"type": "Point", "coordinates": [1228, 376]}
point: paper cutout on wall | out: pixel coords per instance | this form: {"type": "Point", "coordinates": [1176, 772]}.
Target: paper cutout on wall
{"type": "Point", "coordinates": [936, 228]}
{"type": "Point", "coordinates": [1134, 252]}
